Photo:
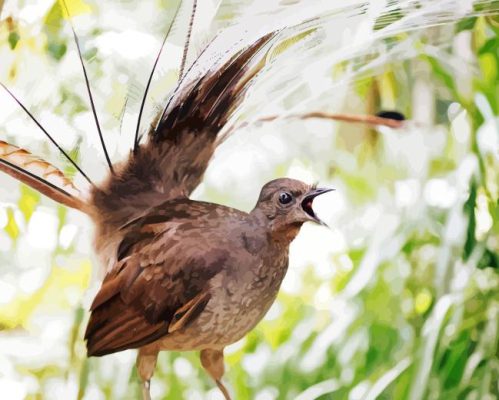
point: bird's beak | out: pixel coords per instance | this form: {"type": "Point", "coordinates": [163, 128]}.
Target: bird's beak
{"type": "Point", "coordinates": [307, 202]}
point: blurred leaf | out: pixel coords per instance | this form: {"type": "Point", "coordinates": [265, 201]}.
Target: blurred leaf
{"type": "Point", "coordinates": [29, 200]}
{"type": "Point", "coordinates": [11, 228]}
{"type": "Point", "coordinates": [466, 24]}
{"type": "Point", "coordinates": [469, 210]}
{"type": "Point", "coordinates": [75, 331]}
{"type": "Point", "coordinates": [83, 378]}
{"type": "Point", "coordinates": [441, 73]}
{"type": "Point", "coordinates": [489, 259]}
{"type": "Point", "coordinates": [488, 66]}
{"type": "Point", "coordinates": [389, 17]}
{"type": "Point", "coordinates": [388, 90]}
{"type": "Point", "coordinates": [383, 339]}
{"type": "Point", "coordinates": [76, 7]}
{"type": "Point", "coordinates": [54, 292]}
{"type": "Point", "coordinates": [290, 42]}
{"type": "Point", "coordinates": [13, 39]}
{"type": "Point", "coordinates": [454, 360]}
{"type": "Point", "coordinates": [53, 20]}
{"type": "Point", "coordinates": [382, 384]}
{"type": "Point", "coordinates": [422, 301]}
{"type": "Point", "coordinates": [56, 45]}
{"type": "Point", "coordinates": [57, 49]}
{"type": "Point", "coordinates": [360, 188]}
{"type": "Point", "coordinates": [490, 46]}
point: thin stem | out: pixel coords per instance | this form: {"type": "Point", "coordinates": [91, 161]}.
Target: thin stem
{"type": "Point", "coordinates": [142, 104]}
{"type": "Point", "coordinates": [122, 117]}
{"type": "Point", "coordinates": [66, 155]}
{"type": "Point", "coordinates": [188, 39]}
{"type": "Point", "coordinates": [181, 80]}
{"type": "Point", "coordinates": [87, 83]}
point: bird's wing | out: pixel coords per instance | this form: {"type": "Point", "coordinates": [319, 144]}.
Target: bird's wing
{"type": "Point", "coordinates": [173, 160]}
{"type": "Point", "coordinates": [158, 285]}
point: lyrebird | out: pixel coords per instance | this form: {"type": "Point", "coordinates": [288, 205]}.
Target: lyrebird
{"type": "Point", "coordinates": [181, 274]}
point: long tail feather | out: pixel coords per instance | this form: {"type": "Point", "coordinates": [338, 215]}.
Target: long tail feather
{"type": "Point", "coordinates": [172, 162]}
{"type": "Point", "coordinates": [188, 39]}
{"type": "Point", "coordinates": [142, 104]}
{"type": "Point", "coordinates": [254, 71]}
{"type": "Point", "coordinates": [87, 84]}
{"type": "Point", "coordinates": [40, 175]}
{"type": "Point", "coordinates": [373, 120]}
{"type": "Point", "coordinates": [61, 150]}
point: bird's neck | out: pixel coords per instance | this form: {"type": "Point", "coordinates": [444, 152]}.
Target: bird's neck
{"type": "Point", "coordinates": [278, 234]}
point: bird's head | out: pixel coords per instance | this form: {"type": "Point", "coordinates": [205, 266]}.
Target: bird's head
{"type": "Point", "coordinates": [286, 204]}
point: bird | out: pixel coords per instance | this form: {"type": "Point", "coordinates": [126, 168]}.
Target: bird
{"type": "Point", "coordinates": [181, 274]}
{"type": "Point", "coordinates": [191, 275]}
{"type": "Point", "coordinates": [184, 274]}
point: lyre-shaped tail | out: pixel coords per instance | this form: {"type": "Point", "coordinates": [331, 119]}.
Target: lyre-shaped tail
{"type": "Point", "coordinates": [40, 175]}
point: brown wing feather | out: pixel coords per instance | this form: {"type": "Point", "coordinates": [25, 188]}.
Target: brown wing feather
{"type": "Point", "coordinates": [116, 326]}
{"type": "Point", "coordinates": [141, 295]}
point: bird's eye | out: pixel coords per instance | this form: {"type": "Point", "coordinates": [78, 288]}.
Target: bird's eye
{"type": "Point", "coordinates": [285, 198]}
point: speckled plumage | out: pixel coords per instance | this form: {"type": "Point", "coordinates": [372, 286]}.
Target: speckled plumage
{"type": "Point", "coordinates": [184, 274]}
{"type": "Point", "coordinates": [180, 249]}
{"type": "Point", "coordinates": [191, 275]}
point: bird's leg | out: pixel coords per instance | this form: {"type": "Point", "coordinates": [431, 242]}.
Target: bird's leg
{"type": "Point", "coordinates": [213, 363]}
{"type": "Point", "coordinates": [146, 390]}
{"type": "Point", "coordinates": [146, 362]}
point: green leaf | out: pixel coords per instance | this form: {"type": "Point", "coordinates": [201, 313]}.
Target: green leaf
{"type": "Point", "coordinates": [488, 66]}
{"type": "Point", "coordinates": [83, 379]}
{"type": "Point", "coordinates": [54, 19]}
{"type": "Point", "coordinates": [490, 46]}
{"type": "Point", "coordinates": [13, 39]}
{"type": "Point", "coordinates": [469, 210]}
{"type": "Point", "coordinates": [442, 74]}
{"type": "Point", "coordinates": [466, 24]}
{"type": "Point", "coordinates": [57, 49]}
{"type": "Point", "coordinates": [455, 358]}
{"type": "Point", "coordinates": [490, 259]}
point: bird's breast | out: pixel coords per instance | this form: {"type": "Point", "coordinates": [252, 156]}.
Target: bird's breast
{"type": "Point", "coordinates": [239, 300]}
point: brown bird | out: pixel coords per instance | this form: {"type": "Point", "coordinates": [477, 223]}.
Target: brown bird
{"type": "Point", "coordinates": [190, 275]}
{"type": "Point", "coordinates": [181, 274]}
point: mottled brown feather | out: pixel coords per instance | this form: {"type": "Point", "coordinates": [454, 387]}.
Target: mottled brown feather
{"type": "Point", "coordinates": [142, 293]}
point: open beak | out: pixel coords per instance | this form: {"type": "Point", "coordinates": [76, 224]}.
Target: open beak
{"type": "Point", "coordinates": [308, 200]}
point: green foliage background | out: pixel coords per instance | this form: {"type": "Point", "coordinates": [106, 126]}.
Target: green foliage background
{"type": "Point", "coordinates": [408, 307]}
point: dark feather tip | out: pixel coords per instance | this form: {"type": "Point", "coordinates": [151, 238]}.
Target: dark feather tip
{"type": "Point", "coordinates": [395, 115]}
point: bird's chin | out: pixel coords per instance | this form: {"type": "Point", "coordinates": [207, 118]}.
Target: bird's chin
{"type": "Point", "coordinates": [315, 220]}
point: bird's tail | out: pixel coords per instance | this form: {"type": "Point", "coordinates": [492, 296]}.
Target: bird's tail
{"type": "Point", "coordinates": [40, 175]}
{"type": "Point", "coordinates": [173, 160]}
